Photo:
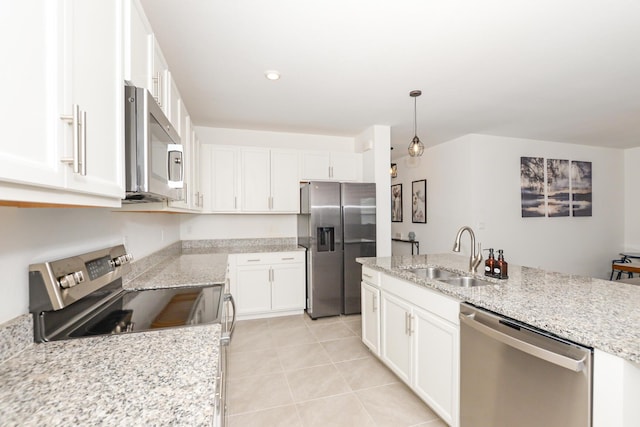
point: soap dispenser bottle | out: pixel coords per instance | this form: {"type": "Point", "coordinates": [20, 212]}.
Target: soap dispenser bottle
{"type": "Point", "coordinates": [489, 264]}
{"type": "Point", "coordinates": [502, 267]}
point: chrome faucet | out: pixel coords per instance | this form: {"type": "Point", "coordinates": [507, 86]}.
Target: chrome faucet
{"type": "Point", "coordinates": [475, 257]}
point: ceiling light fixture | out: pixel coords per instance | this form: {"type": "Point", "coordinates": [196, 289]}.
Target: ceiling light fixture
{"type": "Point", "coordinates": [416, 147]}
{"type": "Point", "coordinates": [272, 75]}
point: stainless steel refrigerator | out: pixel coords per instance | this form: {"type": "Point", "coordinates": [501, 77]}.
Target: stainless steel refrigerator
{"type": "Point", "coordinates": [336, 224]}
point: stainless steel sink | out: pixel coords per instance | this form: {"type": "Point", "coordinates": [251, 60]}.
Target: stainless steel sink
{"type": "Point", "coordinates": [465, 281]}
{"type": "Point", "coordinates": [433, 273]}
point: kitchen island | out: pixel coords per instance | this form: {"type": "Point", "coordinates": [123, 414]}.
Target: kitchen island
{"type": "Point", "coordinates": [596, 313]}
{"type": "Point", "coordinates": [593, 312]}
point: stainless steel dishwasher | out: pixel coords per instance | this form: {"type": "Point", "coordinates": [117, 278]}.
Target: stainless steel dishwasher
{"type": "Point", "coordinates": [512, 374]}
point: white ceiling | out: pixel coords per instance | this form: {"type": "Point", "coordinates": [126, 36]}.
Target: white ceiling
{"type": "Point", "coordinates": [566, 71]}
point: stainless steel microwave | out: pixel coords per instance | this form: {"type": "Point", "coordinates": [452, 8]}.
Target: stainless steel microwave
{"type": "Point", "coordinates": [153, 152]}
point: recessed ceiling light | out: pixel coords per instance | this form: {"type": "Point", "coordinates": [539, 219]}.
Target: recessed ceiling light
{"type": "Point", "coordinates": [272, 74]}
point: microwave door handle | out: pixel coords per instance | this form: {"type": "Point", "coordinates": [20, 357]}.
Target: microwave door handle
{"type": "Point", "coordinates": [175, 160]}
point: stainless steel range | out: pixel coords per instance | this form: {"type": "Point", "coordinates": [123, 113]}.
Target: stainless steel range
{"type": "Point", "coordinates": [83, 296]}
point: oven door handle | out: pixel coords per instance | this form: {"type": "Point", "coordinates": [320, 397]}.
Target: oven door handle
{"type": "Point", "coordinates": [225, 339]}
{"type": "Point", "coordinates": [533, 350]}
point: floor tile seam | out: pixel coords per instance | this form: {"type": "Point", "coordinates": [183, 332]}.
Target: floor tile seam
{"type": "Point", "coordinates": [322, 397]}
{"type": "Point", "coordinates": [257, 376]}
{"type": "Point", "coordinates": [263, 409]}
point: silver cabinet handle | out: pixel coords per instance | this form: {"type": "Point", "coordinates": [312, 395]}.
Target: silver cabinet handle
{"type": "Point", "coordinates": [235, 202]}
{"type": "Point", "coordinates": [157, 81]}
{"type": "Point", "coordinates": [406, 323]}
{"type": "Point", "coordinates": [83, 144]}
{"type": "Point", "coordinates": [541, 353]}
{"type": "Point", "coordinates": [287, 259]}
{"type": "Point", "coordinates": [253, 260]}
{"type": "Point", "coordinates": [375, 303]}
{"type": "Point", "coordinates": [74, 121]}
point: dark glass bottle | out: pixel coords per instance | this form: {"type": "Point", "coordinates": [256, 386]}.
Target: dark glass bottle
{"type": "Point", "coordinates": [489, 264]}
{"type": "Point", "coordinates": [502, 270]}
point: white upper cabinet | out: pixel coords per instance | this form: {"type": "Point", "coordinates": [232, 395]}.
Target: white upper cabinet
{"type": "Point", "coordinates": [256, 188]}
{"type": "Point", "coordinates": [95, 37]}
{"type": "Point", "coordinates": [331, 166]}
{"type": "Point", "coordinates": [269, 180]}
{"type": "Point", "coordinates": [174, 103]}
{"type": "Point", "coordinates": [138, 45]}
{"type": "Point", "coordinates": [65, 112]}
{"type": "Point", "coordinates": [285, 181]}
{"type": "Point", "coordinates": [222, 166]}
{"type": "Point", "coordinates": [159, 78]}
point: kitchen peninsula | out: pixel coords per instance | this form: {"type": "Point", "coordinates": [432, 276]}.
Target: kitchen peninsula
{"type": "Point", "coordinates": [596, 313]}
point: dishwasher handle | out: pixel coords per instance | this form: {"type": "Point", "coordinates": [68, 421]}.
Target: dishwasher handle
{"type": "Point", "coordinates": [541, 353]}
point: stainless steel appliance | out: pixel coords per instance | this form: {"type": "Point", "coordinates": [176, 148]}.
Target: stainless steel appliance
{"type": "Point", "coordinates": [336, 224]}
{"type": "Point", "coordinates": [512, 374]}
{"type": "Point", "coordinates": [153, 153]}
{"type": "Point", "coordinates": [82, 296]}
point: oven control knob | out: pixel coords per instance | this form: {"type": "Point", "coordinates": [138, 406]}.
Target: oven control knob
{"type": "Point", "coordinates": [121, 260]}
{"type": "Point", "coordinates": [70, 280]}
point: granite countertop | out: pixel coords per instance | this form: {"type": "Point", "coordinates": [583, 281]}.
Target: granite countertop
{"type": "Point", "coordinates": [164, 377]}
{"type": "Point", "coordinates": [183, 270]}
{"type": "Point", "coordinates": [594, 312]}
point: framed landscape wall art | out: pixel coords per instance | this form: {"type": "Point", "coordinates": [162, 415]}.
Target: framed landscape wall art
{"type": "Point", "coordinates": [532, 186]}
{"type": "Point", "coordinates": [581, 189]}
{"type": "Point", "coordinates": [419, 201]}
{"type": "Point", "coordinates": [557, 187]}
{"type": "Point", "coordinates": [396, 203]}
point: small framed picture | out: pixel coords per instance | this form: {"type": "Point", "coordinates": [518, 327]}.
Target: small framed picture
{"type": "Point", "coordinates": [419, 201]}
{"type": "Point", "coordinates": [396, 203]}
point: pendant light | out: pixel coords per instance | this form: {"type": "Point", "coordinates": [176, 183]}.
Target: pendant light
{"type": "Point", "coordinates": [416, 147]}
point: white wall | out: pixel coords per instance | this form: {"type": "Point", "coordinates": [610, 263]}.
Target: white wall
{"type": "Point", "coordinates": [266, 139]}
{"type": "Point", "coordinates": [34, 235]}
{"type": "Point", "coordinates": [632, 199]}
{"type": "Point", "coordinates": [240, 226]}
{"type": "Point", "coordinates": [475, 180]}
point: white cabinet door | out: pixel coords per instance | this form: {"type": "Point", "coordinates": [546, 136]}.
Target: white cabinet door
{"type": "Point", "coordinates": [285, 183]}
{"type": "Point", "coordinates": [395, 338]}
{"type": "Point", "coordinates": [256, 196]}
{"type": "Point", "coordinates": [288, 286]}
{"type": "Point", "coordinates": [30, 150]}
{"type": "Point", "coordinates": [197, 196]}
{"type": "Point", "coordinates": [173, 103]}
{"type": "Point", "coordinates": [253, 289]}
{"type": "Point", "coordinates": [315, 165]}
{"type": "Point", "coordinates": [95, 37]}
{"type": "Point", "coordinates": [345, 166]}
{"type": "Point", "coordinates": [224, 164]}
{"type": "Point", "coordinates": [158, 80]}
{"type": "Point", "coordinates": [191, 163]}
{"type": "Point", "coordinates": [370, 301]}
{"type": "Point", "coordinates": [138, 45]}
{"type": "Point", "coordinates": [435, 367]}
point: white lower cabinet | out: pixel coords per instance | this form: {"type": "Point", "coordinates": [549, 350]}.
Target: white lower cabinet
{"type": "Point", "coordinates": [395, 345]}
{"type": "Point", "coordinates": [419, 340]}
{"type": "Point", "coordinates": [269, 284]}
{"type": "Point", "coordinates": [370, 301]}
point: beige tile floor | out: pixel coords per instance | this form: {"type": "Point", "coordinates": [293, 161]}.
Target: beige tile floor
{"type": "Point", "coordinates": [296, 372]}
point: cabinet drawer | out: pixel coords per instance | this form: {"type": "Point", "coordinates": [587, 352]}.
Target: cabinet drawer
{"type": "Point", "coordinates": [422, 297]}
{"type": "Point", "coordinates": [371, 276]}
{"type": "Point", "coordinates": [269, 258]}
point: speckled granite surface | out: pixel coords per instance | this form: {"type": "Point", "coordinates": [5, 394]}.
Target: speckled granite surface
{"type": "Point", "coordinates": [594, 312]}
{"type": "Point", "coordinates": [152, 378]}
{"type": "Point", "coordinates": [183, 270]}
{"type": "Point", "coordinates": [15, 336]}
